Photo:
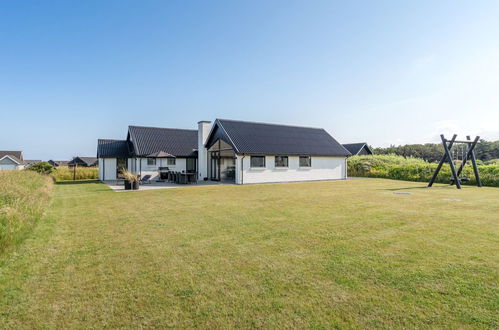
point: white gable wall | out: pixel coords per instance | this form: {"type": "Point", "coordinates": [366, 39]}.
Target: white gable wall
{"type": "Point", "coordinates": [323, 168]}
{"type": "Point", "coordinates": [107, 169]}
{"type": "Point", "coordinates": [8, 164]}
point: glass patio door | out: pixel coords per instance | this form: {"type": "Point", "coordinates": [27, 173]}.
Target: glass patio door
{"type": "Point", "coordinates": [121, 164]}
{"type": "Point", "coordinates": [215, 166]}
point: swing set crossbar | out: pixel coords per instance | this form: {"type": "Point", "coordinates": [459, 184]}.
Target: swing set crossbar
{"type": "Point", "coordinates": [470, 154]}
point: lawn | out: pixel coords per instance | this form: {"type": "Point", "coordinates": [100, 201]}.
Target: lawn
{"type": "Point", "coordinates": [349, 254]}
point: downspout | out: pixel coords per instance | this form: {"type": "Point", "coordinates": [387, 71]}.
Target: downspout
{"type": "Point", "coordinates": [346, 168]}
{"type": "Point", "coordinates": [140, 165]}
{"type": "Point", "coordinates": [242, 169]}
{"type": "Point", "coordinates": [103, 169]}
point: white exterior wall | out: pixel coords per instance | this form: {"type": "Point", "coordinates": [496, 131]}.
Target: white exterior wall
{"type": "Point", "coordinates": [203, 132]}
{"type": "Point", "coordinates": [8, 164]}
{"type": "Point", "coordinates": [323, 168]}
{"type": "Point", "coordinates": [142, 168]}
{"type": "Point", "coordinates": [11, 167]}
{"type": "Point", "coordinates": [107, 169]}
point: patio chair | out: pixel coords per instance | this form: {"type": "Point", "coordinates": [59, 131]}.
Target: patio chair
{"type": "Point", "coordinates": [146, 179]}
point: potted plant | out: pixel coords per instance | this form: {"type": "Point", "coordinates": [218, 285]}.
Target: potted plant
{"type": "Point", "coordinates": [131, 180]}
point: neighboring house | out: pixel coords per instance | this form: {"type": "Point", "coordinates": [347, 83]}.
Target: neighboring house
{"type": "Point", "coordinates": [57, 163]}
{"type": "Point", "coordinates": [227, 150]}
{"type": "Point", "coordinates": [28, 162]}
{"type": "Point", "coordinates": [11, 160]}
{"type": "Point", "coordinates": [83, 161]}
{"type": "Point", "coordinates": [358, 148]}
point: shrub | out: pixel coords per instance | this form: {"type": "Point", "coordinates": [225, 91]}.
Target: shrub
{"type": "Point", "coordinates": [24, 197]}
{"type": "Point", "coordinates": [414, 169]}
{"type": "Point", "coordinates": [42, 168]}
{"type": "Point", "coordinates": [65, 173]}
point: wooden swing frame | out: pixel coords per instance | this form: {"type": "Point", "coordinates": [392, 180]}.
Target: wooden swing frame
{"type": "Point", "coordinates": [470, 155]}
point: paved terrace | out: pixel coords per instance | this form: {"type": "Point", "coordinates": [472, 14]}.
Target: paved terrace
{"type": "Point", "coordinates": [119, 186]}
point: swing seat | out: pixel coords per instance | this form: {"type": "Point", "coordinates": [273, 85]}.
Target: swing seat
{"type": "Point", "coordinates": [463, 179]}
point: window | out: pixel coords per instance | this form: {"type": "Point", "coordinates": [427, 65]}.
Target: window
{"type": "Point", "coordinates": [281, 161]}
{"type": "Point", "coordinates": [151, 161]}
{"type": "Point", "coordinates": [305, 161]}
{"type": "Point", "coordinates": [170, 161]}
{"type": "Point", "coordinates": [257, 161]}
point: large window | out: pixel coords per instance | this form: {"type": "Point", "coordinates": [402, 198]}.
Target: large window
{"type": "Point", "coordinates": [305, 161]}
{"type": "Point", "coordinates": [170, 161]}
{"type": "Point", "coordinates": [281, 161]}
{"type": "Point", "coordinates": [257, 161]}
{"type": "Point", "coordinates": [151, 161]}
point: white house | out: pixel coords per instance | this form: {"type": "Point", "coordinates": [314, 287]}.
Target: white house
{"type": "Point", "coordinates": [227, 150]}
{"type": "Point", "coordinates": [11, 160]}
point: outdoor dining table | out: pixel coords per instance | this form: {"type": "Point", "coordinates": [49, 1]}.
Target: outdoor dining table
{"type": "Point", "coordinates": [188, 177]}
{"type": "Point", "coordinates": [182, 178]}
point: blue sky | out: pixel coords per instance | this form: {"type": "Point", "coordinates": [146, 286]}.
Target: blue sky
{"type": "Point", "coordinates": [386, 72]}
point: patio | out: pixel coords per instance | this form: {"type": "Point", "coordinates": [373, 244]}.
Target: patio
{"type": "Point", "coordinates": [118, 185]}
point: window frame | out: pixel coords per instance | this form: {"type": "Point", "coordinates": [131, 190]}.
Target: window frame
{"type": "Point", "coordinates": [305, 166]}
{"type": "Point", "coordinates": [282, 158]}
{"type": "Point", "coordinates": [149, 159]}
{"type": "Point", "coordinates": [254, 157]}
{"type": "Point", "coordinates": [171, 161]}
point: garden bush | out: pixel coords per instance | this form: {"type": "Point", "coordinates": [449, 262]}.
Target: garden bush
{"type": "Point", "coordinates": [41, 167]}
{"type": "Point", "coordinates": [415, 169]}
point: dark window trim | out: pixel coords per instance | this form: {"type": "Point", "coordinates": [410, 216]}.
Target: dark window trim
{"type": "Point", "coordinates": [264, 162]}
{"type": "Point", "coordinates": [155, 162]}
{"type": "Point", "coordinates": [309, 157]}
{"type": "Point", "coordinates": [287, 161]}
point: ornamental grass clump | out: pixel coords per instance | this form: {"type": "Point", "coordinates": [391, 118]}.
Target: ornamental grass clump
{"type": "Point", "coordinates": [129, 176]}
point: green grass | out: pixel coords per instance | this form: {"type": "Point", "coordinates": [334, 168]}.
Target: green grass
{"type": "Point", "coordinates": [24, 196]}
{"type": "Point", "coordinates": [349, 254]}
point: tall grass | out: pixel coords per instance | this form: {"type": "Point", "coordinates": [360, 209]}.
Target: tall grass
{"type": "Point", "coordinates": [415, 169]}
{"type": "Point", "coordinates": [65, 173]}
{"type": "Point", "coordinates": [24, 196]}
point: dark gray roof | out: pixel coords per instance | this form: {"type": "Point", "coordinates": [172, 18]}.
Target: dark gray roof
{"type": "Point", "coordinates": [28, 162]}
{"type": "Point", "coordinates": [355, 148]}
{"type": "Point", "coordinates": [177, 142]}
{"type": "Point", "coordinates": [272, 139]}
{"type": "Point", "coordinates": [112, 148]}
{"type": "Point", "coordinates": [58, 162]}
{"type": "Point", "coordinates": [85, 161]}
{"type": "Point", "coordinates": [16, 155]}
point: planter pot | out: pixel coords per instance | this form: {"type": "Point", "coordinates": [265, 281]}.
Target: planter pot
{"type": "Point", "coordinates": [128, 185]}
{"type": "Point", "coordinates": [135, 185]}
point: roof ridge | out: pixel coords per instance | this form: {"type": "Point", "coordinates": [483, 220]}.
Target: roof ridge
{"type": "Point", "coordinates": [177, 129]}
{"type": "Point", "coordinates": [262, 123]}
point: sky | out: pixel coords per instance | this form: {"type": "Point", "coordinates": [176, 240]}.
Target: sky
{"type": "Point", "coordinates": [385, 72]}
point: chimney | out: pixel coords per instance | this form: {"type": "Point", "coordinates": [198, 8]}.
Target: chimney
{"type": "Point", "coordinates": [203, 131]}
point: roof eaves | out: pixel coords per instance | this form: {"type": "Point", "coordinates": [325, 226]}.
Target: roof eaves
{"type": "Point", "coordinates": [132, 140]}
{"type": "Point", "coordinates": [231, 141]}
{"type": "Point", "coordinates": [14, 159]}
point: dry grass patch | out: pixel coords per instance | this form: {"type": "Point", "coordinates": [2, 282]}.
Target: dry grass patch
{"type": "Point", "coordinates": [24, 196]}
